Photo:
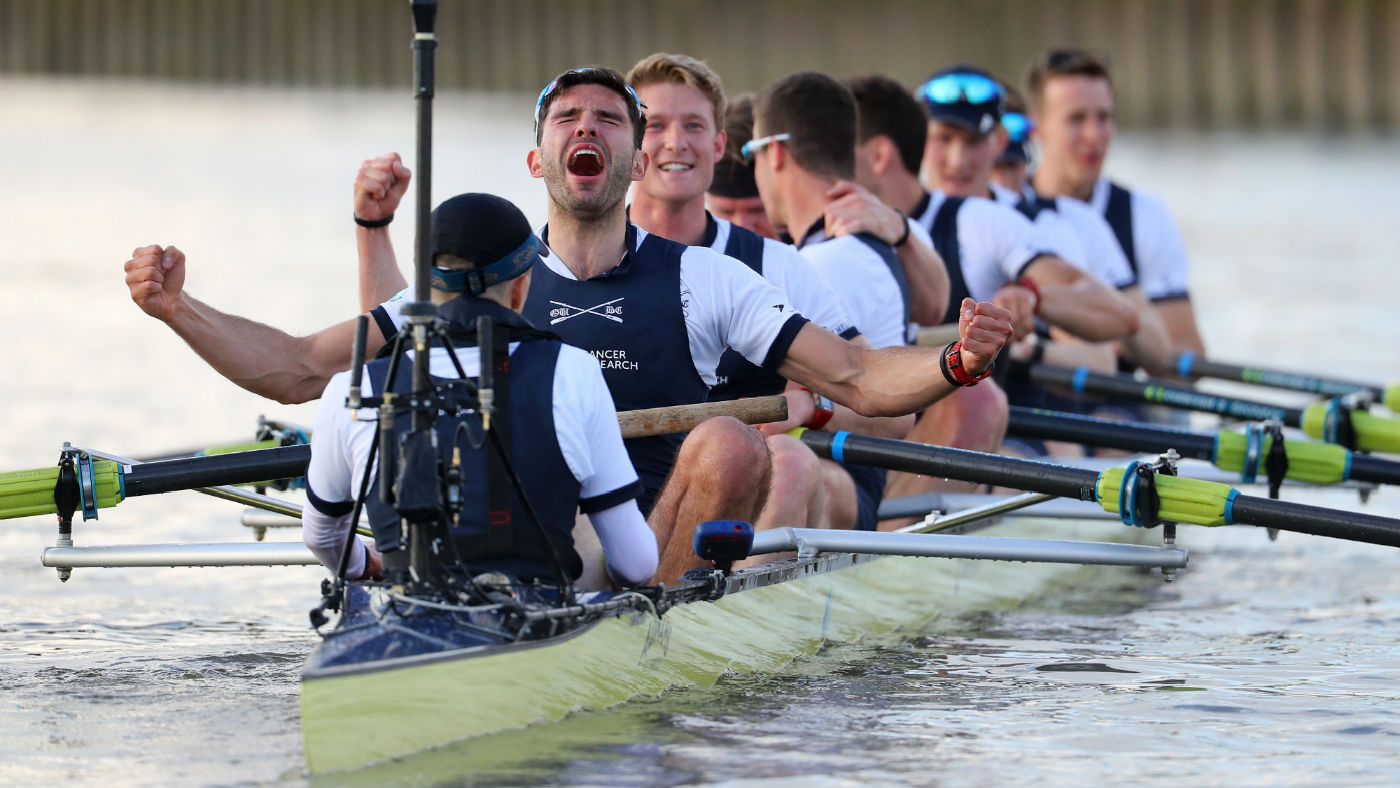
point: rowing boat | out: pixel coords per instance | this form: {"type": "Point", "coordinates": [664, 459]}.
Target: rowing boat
{"type": "Point", "coordinates": [394, 678]}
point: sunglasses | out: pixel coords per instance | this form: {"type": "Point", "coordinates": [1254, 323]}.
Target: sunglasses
{"type": "Point", "coordinates": [553, 86]}
{"type": "Point", "coordinates": [952, 88]}
{"type": "Point", "coordinates": [749, 149]}
{"type": "Point", "coordinates": [1018, 126]}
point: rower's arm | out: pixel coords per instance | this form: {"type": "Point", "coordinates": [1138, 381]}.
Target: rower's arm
{"type": "Point", "coordinates": [380, 277]}
{"type": "Point", "coordinates": [1150, 347]}
{"type": "Point", "coordinates": [1079, 303]}
{"type": "Point", "coordinates": [379, 188]}
{"type": "Point", "coordinates": [801, 409]}
{"type": "Point", "coordinates": [258, 357]}
{"type": "Point", "coordinates": [853, 209]}
{"type": "Point", "coordinates": [1179, 317]}
{"type": "Point", "coordinates": [892, 381]}
{"type": "Point", "coordinates": [265, 360]}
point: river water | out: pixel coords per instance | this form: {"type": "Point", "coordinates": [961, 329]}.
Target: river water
{"type": "Point", "coordinates": [1265, 664]}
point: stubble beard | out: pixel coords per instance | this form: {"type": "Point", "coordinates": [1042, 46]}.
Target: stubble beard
{"type": "Point", "coordinates": [587, 207]}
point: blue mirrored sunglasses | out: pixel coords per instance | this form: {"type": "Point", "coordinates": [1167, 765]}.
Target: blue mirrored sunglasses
{"type": "Point", "coordinates": [554, 85]}
{"type": "Point", "coordinates": [952, 88]}
{"type": "Point", "coordinates": [752, 147]}
{"type": "Point", "coordinates": [1018, 126]}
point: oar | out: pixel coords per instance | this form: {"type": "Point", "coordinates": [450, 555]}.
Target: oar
{"type": "Point", "coordinates": [1323, 420]}
{"type": "Point", "coordinates": [1189, 365]}
{"type": "Point", "coordinates": [1146, 499]}
{"type": "Point", "coordinates": [1315, 463]}
{"type": "Point", "coordinates": [101, 484]}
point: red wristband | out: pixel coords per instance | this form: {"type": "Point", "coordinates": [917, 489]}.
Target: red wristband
{"type": "Point", "coordinates": [824, 410]}
{"type": "Point", "coordinates": [953, 371]}
{"type": "Point", "coordinates": [1030, 285]}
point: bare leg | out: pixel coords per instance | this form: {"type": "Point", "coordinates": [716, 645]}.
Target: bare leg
{"type": "Point", "coordinates": [971, 418]}
{"type": "Point", "coordinates": [798, 495]}
{"type": "Point", "coordinates": [722, 472]}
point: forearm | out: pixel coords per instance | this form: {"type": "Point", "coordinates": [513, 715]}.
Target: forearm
{"type": "Point", "coordinates": [847, 420]}
{"type": "Point", "coordinates": [629, 544]}
{"type": "Point", "coordinates": [1179, 318]}
{"type": "Point", "coordinates": [380, 277]}
{"type": "Point", "coordinates": [890, 382]}
{"type": "Point", "coordinates": [927, 277]}
{"type": "Point", "coordinates": [1150, 347]}
{"type": "Point", "coordinates": [257, 357]}
{"type": "Point", "coordinates": [1088, 310]}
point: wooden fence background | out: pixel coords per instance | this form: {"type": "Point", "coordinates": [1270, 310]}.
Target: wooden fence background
{"type": "Point", "coordinates": [1309, 64]}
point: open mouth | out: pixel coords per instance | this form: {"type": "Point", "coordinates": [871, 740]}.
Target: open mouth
{"type": "Point", "coordinates": [586, 162]}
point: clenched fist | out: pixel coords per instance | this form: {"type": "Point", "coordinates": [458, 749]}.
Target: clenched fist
{"type": "Point", "coordinates": [156, 276]}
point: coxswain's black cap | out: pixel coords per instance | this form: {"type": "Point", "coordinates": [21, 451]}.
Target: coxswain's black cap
{"type": "Point", "coordinates": [965, 95]}
{"type": "Point", "coordinates": [487, 231]}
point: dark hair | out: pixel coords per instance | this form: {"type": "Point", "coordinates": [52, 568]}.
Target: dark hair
{"type": "Point", "coordinates": [1064, 63]}
{"type": "Point", "coordinates": [820, 114]}
{"type": "Point", "coordinates": [592, 75]}
{"type": "Point", "coordinates": [887, 108]}
{"type": "Point", "coordinates": [733, 175]}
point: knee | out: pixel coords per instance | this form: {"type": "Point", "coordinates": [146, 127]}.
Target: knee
{"type": "Point", "coordinates": [727, 452]}
{"type": "Point", "coordinates": [795, 467]}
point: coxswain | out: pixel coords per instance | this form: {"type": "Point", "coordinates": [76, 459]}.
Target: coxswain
{"type": "Point", "coordinates": [665, 313]}
{"type": "Point", "coordinates": [553, 411]}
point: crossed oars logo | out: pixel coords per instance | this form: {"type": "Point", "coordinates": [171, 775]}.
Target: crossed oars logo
{"type": "Point", "coordinates": [608, 311]}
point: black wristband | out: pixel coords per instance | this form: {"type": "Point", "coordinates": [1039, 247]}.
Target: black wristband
{"type": "Point", "coordinates": [373, 223]}
{"type": "Point", "coordinates": [903, 239]}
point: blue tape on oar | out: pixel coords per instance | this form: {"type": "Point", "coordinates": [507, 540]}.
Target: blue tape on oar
{"type": "Point", "coordinates": [1127, 497]}
{"type": "Point", "coordinates": [1183, 364]}
{"type": "Point", "coordinates": [1230, 507]}
{"type": "Point", "coordinates": [1254, 446]}
{"type": "Point", "coordinates": [838, 447]}
{"type": "Point", "coordinates": [1081, 376]}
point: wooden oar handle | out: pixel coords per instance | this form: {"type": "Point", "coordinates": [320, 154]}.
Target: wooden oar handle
{"type": "Point", "coordinates": [684, 418]}
{"type": "Point", "coordinates": [936, 336]}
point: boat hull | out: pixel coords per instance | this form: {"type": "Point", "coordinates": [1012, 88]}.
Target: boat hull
{"type": "Point", "coordinates": [355, 717]}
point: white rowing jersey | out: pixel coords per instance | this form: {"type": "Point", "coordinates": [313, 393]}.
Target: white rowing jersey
{"type": "Point", "coordinates": [724, 303]}
{"type": "Point", "coordinates": [1081, 233]}
{"type": "Point", "coordinates": [867, 276]}
{"type": "Point", "coordinates": [788, 270]}
{"type": "Point", "coordinates": [1149, 238]}
{"type": "Point", "coordinates": [989, 244]}
{"type": "Point", "coordinates": [590, 440]}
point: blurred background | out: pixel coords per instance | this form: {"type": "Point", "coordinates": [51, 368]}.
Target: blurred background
{"type": "Point", "coordinates": [1316, 64]}
{"type": "Point", "coordinates": [234, 129]}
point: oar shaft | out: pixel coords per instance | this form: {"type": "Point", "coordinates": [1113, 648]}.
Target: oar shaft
{"type": "Point", "coordinates": [1083, 381]}
{"type": "Point", "coordinates": [283, 462]}
{"type": "Point", "coordinates": [1189, 365]}
{"type": "Point", "coordinates": [1335, 523]}
{"type": "Point", "coordinates": [968, 466]}
{"type": "Point", "coordinates": [1124, 435]}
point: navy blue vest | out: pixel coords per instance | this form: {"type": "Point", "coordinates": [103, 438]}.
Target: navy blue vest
{"type": "Point", "coordinates": [493, 541]}
{"type": "Point", "coordinates": [632, 320]}
{"type": "Point", "coordinates": [736, 376]}
{"type": "Point", "coordinates": [1031, 206]}
{"type": "Point", "coordinates": [944, 232]}
{"type": "Point", "coordinates": [1119, 214]}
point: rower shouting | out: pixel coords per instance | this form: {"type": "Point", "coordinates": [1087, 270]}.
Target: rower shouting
{"type": "Point", "coordinates": [676, 309]}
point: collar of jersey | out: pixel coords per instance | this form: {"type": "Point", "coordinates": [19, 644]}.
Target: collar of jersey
{"type": "Point", "coordinates": [630, 241]}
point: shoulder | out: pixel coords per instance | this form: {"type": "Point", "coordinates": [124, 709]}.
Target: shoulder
{"type": "Point", "coordinates": [704, 262]}
{"type": "Point", "coordinates": [981, 212]}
